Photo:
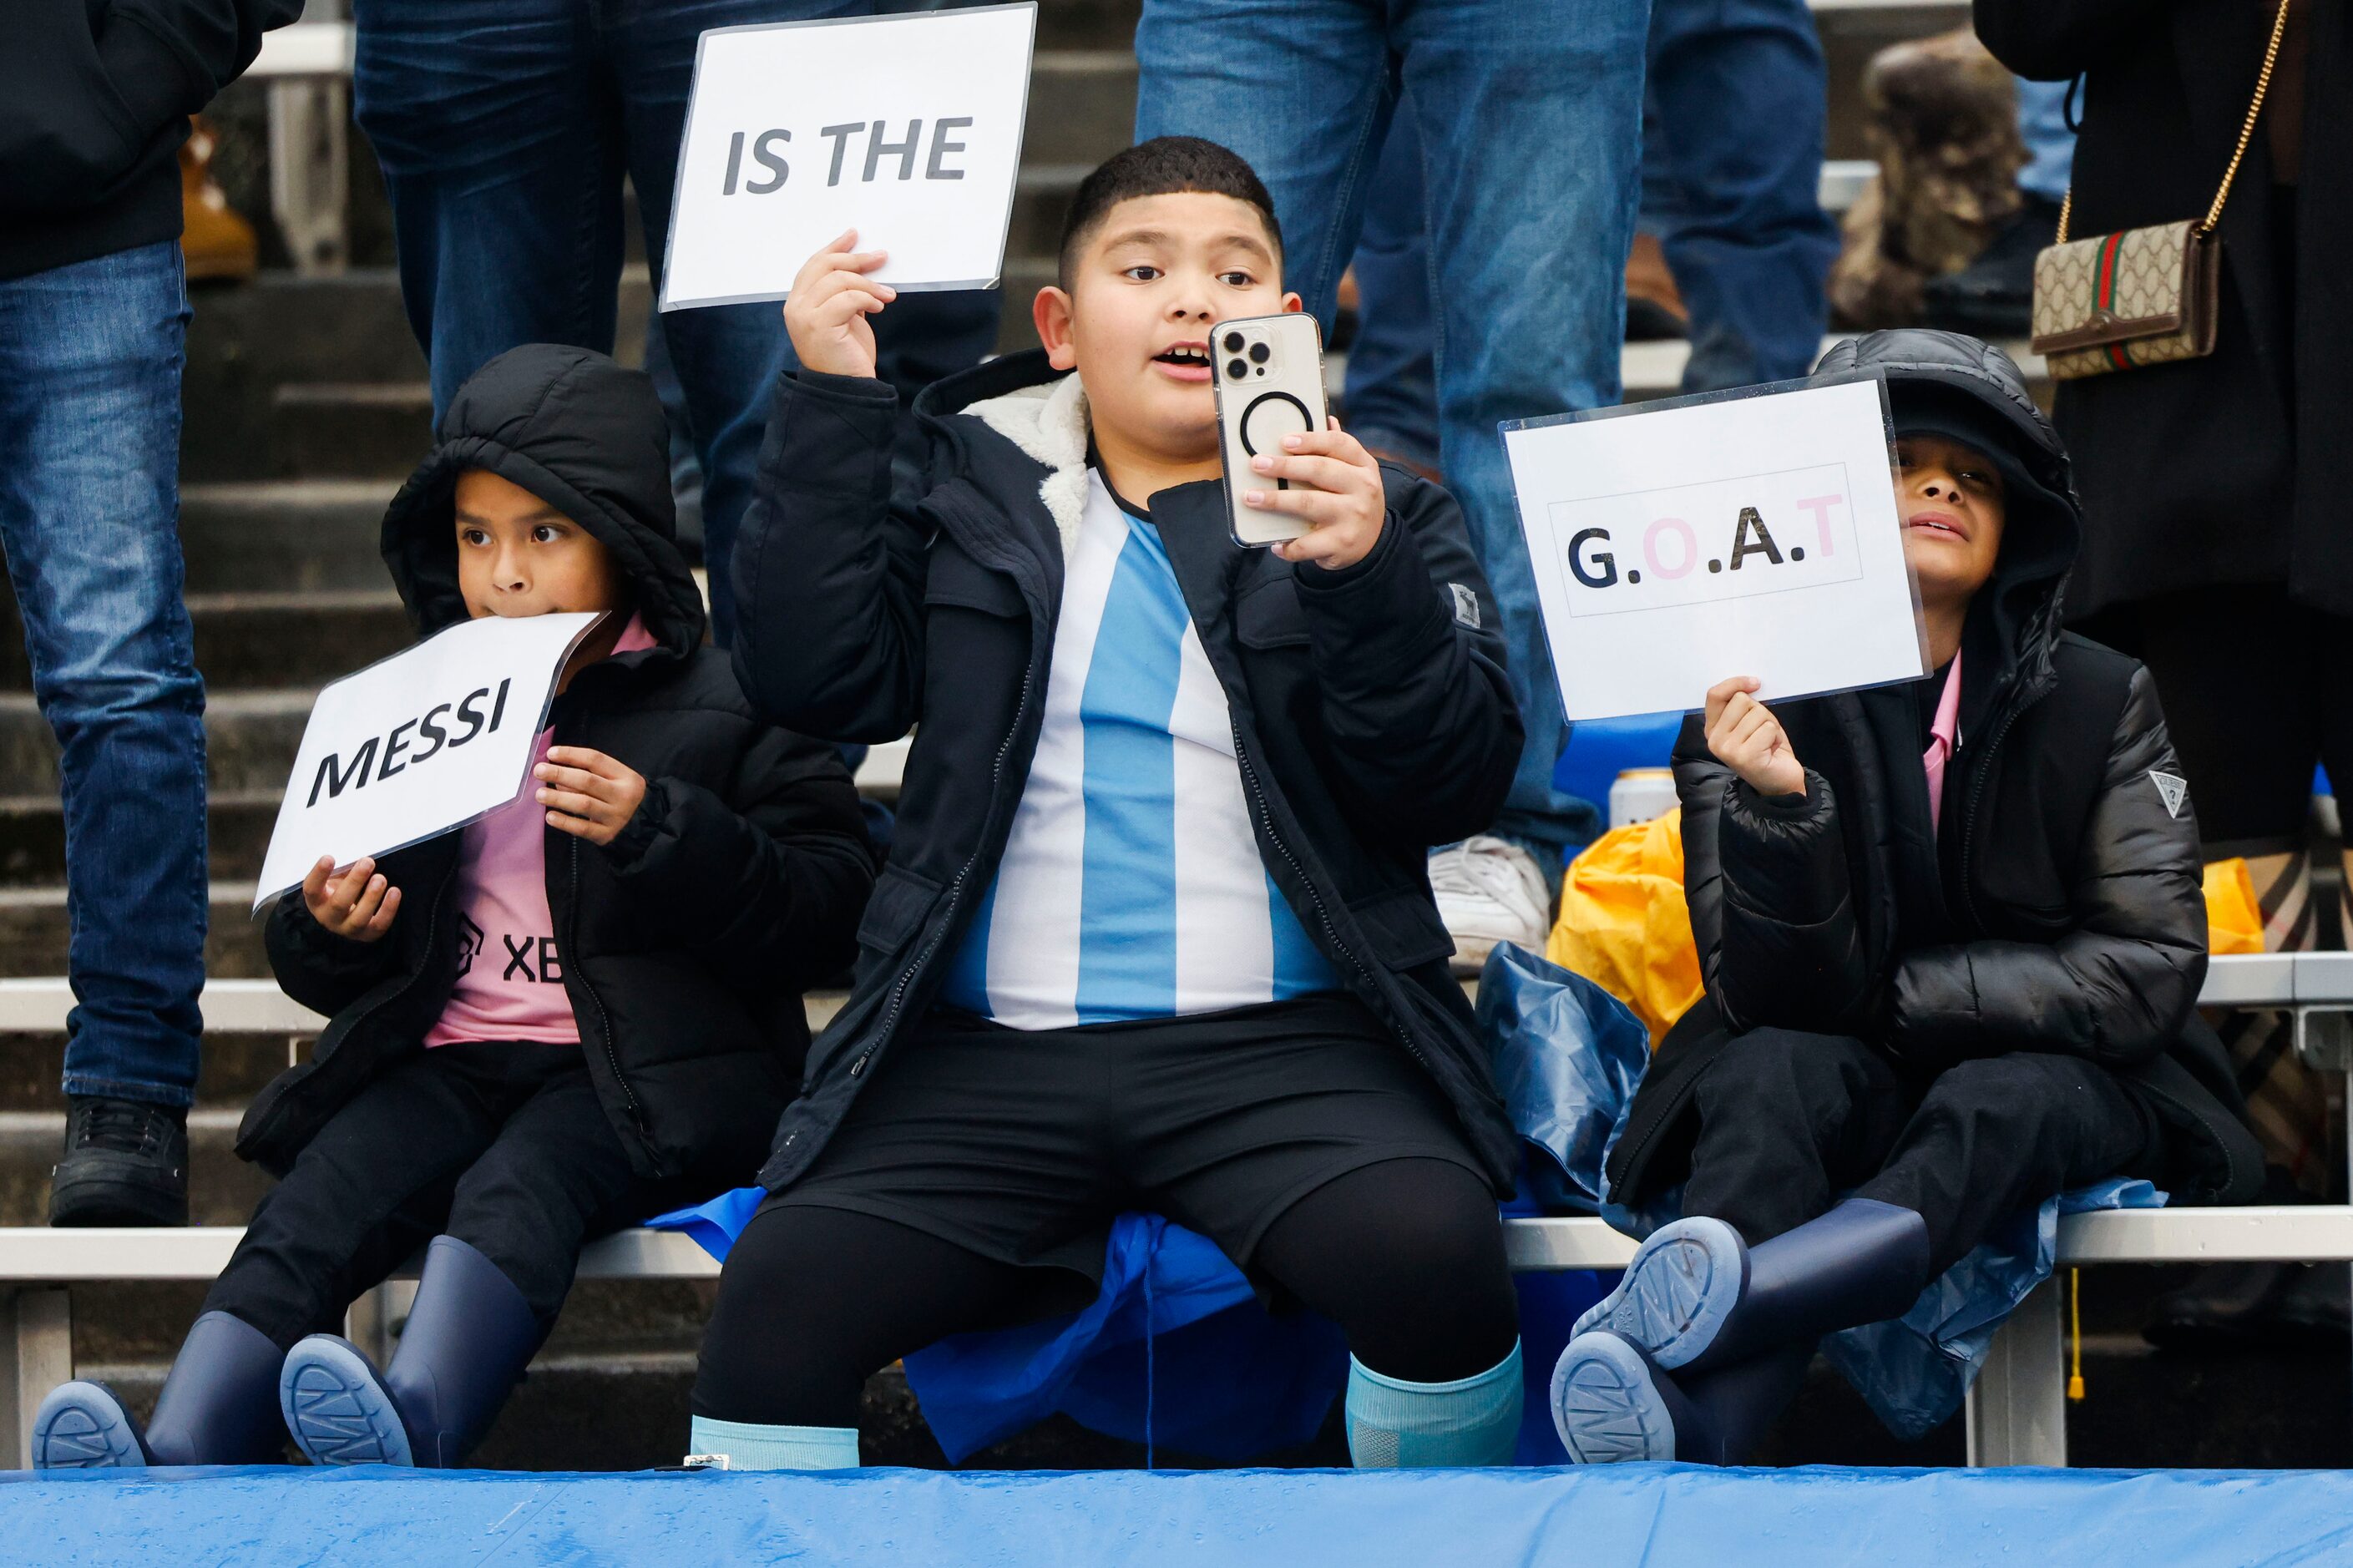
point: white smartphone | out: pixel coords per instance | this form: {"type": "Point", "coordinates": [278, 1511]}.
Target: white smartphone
{"type": "Point", "coordinates": [1268, 373]}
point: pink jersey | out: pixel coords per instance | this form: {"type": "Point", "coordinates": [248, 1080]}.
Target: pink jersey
{"type": "Point", "coordinates": [510, 974]}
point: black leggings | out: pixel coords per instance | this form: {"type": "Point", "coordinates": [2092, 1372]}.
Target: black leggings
{"type": "Point", "coordinates": [1406, 1256]}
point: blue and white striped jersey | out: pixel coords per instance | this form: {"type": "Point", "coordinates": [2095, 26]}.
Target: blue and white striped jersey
{"type": "Point", "coordinates": [1131, 886]}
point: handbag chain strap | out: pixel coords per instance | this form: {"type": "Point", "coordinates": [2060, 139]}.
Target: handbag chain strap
{"type": "Point", "coordinates": [2246, 134]}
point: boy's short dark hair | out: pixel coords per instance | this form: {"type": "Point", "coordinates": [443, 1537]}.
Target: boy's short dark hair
{"type": "Point", "coordinates": [1162, 166]}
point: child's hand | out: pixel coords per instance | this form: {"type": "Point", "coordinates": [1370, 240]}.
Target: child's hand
{"type": "Point", "coordinates": [1342, 503]}
{"type": "Point", "coordinates": [359, 904]}
{"type": "Point", "coordinates": [1747, 738]}
{"type": "Point", "coordinates": [592, 795]}
{"type": "Point", "coordinates": [826, 314]}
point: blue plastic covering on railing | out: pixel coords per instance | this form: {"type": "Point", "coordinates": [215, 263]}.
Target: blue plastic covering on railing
{"type": "Point", "coordinates": [1600, 1517]}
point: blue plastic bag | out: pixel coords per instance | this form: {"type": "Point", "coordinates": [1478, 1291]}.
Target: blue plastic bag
{"type": "Point", "coordinates": [1176, 1350]}
{"type": "Point", "coordinates": [1914, 1371]}
{"type": "Point", "coordinates": [1567, 1056]}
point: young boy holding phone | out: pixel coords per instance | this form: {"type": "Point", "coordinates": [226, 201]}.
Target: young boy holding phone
{"type": "Point", "coordinates": [1155, 931]}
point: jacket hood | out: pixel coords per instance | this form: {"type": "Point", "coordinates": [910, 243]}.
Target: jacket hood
{"type": "Point", "coordinates": [584, 435]}
{"type": "Point", "coordinates": [1041, 411]}
{"type": "Point", "coordinates": [1950, 384]}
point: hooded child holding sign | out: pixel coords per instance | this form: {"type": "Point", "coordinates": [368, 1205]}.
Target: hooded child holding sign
{"type": "Point", "coordinates": [1952, 935]}
{"type": "Point", "coordinates": [579, 1011]}
{"type": "Point", "coordinates": [1157, 932]}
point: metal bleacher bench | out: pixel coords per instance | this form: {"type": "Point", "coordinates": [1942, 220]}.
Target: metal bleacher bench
{"type": "Point", "coordinates": [2017, 1412]}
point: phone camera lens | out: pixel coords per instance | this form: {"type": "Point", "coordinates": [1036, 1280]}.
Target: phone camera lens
{"type": "Point", "coordinates": [1233, 342]}
{"type": "Point", "coordinates": [1259, 353]}
{"type": "Point", "coordinates": [1235, 370]}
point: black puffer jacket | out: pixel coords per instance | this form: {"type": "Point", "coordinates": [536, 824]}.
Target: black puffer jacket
{"type": "Point", "coordinates": [686, 941]}
{"type": "Point", "coordinates": [2058, 909]}
{"type": "Point", "coordinates": [1370, 713]}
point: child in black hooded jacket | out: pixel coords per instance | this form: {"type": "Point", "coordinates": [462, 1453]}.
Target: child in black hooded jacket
{"type": "Point", "coordinates": [1953, 937]}
{"type": "Point", "coordinates": [576, 1013]}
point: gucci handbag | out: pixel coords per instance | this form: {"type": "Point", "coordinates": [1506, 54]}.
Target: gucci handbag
{"type": "Point", "coordinates": [2142, 296]}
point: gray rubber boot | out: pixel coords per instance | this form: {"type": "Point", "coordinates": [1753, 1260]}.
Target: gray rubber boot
{"type": "Point", "coordinates": [467, 1341]}
{"type": "Point", "coordinates": [1698, 1297]}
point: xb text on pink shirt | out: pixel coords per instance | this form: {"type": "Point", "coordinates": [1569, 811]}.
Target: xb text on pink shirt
{"type": "Point", "coordinates": [510, 974]}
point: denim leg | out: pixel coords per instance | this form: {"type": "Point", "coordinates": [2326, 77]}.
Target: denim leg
{"type": "Point", "coordinates": [1530, 113]}
{"type": "Point", "coordinates": [1737, 90]}
{"type": "Point", "coordinates": [2050, 145]}
{"type": "Point", "coordinates": [727, 357]}
{"type": "Point", "coordinates": [1303, 89]}
{"type": "Point", "coordinates": [1392, 391]}
{"type": "Point", "coordinates": [498, 130]}
{"type": "Point", "coordinates": [89, 450]}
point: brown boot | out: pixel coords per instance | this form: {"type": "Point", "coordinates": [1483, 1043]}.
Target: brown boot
{"type": "Point", "coordinates": [1655, 306]}
{"type": "Point", "coordinates": [219, 245]}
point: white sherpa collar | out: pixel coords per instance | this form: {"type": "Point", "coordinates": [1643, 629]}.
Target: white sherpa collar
{"type": "Point", "coordinates": [1049, 422]}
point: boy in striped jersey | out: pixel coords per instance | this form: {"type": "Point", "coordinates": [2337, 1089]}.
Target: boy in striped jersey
{"type": "Point", "coordinates": [1155, 932]}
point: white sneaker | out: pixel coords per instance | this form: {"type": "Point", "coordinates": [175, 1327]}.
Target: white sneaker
{"type": "Point", "coordinates": [1489, 892]}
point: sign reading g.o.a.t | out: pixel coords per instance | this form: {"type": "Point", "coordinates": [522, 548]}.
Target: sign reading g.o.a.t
{"type": "Point", "coordinates": [907, 129]}
{"type": "Point", "coordinates": [1753, 533]}
{"type": "Point", "coordinates": [418, 744]}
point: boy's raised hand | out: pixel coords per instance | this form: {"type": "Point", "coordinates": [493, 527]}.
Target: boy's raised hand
{"type": "Point", "coordinates": [359, 904]}
{"type": "Point", "coordinates": [826, 313]}
{"type": "Point", "coordinates": [1747, 738]}
{"type": "Point", "coordinates": [1343, 503]}
{"type": "Point", "coordinates": [588, 794]}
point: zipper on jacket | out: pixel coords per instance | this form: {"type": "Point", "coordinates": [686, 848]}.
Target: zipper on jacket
{"type": "Point", "coordinates": [1977, 799]}
{"type": "Point", "coordinates": [1322, 913]}
{"type": "Point", "coordinates": [604, 1019]}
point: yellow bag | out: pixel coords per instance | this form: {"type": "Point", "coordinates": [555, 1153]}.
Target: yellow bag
{"type": "Point", "coordinates": [2234, 921]}
{"type": "Point", "coordinates": [1624, 925]}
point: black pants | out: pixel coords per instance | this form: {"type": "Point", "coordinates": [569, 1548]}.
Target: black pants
{"type": "Point", "coordinates": [1406, 1255]}
{"type": "Point", "coordinates": [2256, 690]}
{"type": "Point", "coordinates": [1789, 1121]}
{"type": "Point", "coordinates": [502, 1145]}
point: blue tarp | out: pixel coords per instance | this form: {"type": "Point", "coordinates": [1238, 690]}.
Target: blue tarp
{"type": "Point", "coordinates": [1604, 1517]}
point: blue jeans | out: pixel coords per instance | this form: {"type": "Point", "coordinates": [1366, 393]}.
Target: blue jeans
{"type": "Point", "coordinates": [1731, 166]}
{"type": "Point", "coordinates": [90, 512]}
{"type": "Point", "coordinates": [504, 130]}
{"type": "Point", "coordinates": [2050, 145]}
{"type": "Point", "coordinates": [1392, 390]}
{"type": "Point", "coordinates": [1530, 114]}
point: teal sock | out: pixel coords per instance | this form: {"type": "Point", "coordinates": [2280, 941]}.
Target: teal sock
{"type": "Point", "coordinates": [1396, 1425]}
{"type": "Point", "coordinates": [750, 1448]}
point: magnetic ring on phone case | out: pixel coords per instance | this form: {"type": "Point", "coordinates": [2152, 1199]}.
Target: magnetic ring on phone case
{"type": "Point", "coordinates": [1265, 423]}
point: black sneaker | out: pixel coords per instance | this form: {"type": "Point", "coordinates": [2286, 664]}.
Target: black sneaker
{"type": "Point", "coordinates": [126, 1164]}
{"type": "Point", "coordinates": [1993, 297]}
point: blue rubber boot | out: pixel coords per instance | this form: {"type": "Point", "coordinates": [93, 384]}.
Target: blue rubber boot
{"type": "Point", "coordinates": [1697, 1297]}
{"type": "Point", "coordinates": [467, 1341]}
{"type": "Point", "coordinates": [219, 1406]}
{"type": "Point", "coordinates": [1612, 1403]}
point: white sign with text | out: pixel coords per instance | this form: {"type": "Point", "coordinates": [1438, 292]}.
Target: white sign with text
{"type": "Point", "coordinates": [418, 744]}
{"type": "Point", "coordinates": [1753, 533]}
{"type": "Point", "coordinates": [907, 129]}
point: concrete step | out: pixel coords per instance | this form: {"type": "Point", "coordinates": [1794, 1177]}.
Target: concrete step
{"type": "Point", "coordinates": [250, 738]}
{"type": "Point", "coordinates": [1081, 106]}
{"type": "Point", "coordinates": [273, 639]}
{"type": "Point", "coordinates": [234, 1069]}
{"type": "Point", "coordinates": [338, 428]}
{"type": "Point", "coordinates": [222, 1188]}
{"type": "Point", "coordinates": [34, 928]}
{"type": "Point", "coordinates": [284, 535]}
{"type": "Point", "coordinates": [238, 825]}
{"type": "Point", "coordinates": [244, 344]}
